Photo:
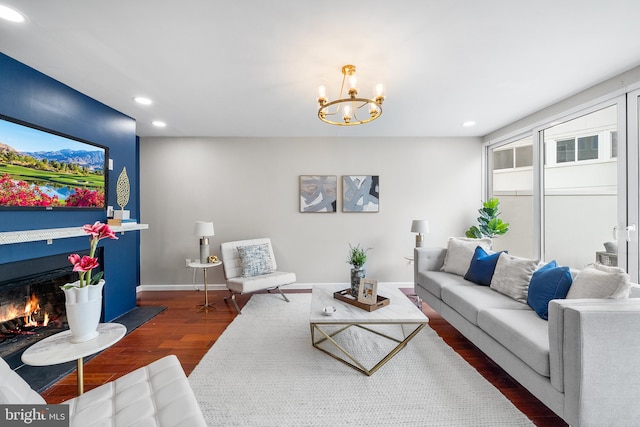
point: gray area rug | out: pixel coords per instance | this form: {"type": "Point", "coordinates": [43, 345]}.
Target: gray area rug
{"type": "Point", "coordinates": [263, 371]}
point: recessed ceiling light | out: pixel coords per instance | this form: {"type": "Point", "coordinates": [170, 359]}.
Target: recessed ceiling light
{"type": "Point", "coordinates": [469, 123]}
{"type": "Point", "coordinates": [11, 14]}
{"type": "Point", "coordinates": [142, 100]}
{"type": "Point", "coordinates": [159, 123]}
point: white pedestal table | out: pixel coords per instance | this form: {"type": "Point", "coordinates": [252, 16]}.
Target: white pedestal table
{"type": "Point", "coordinates": [58, 348]}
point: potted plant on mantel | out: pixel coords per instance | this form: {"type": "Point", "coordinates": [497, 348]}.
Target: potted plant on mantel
{"type": "Point", "coordinates": [83, 298]}
{"type": "Point", "coordinates": [357, 258]}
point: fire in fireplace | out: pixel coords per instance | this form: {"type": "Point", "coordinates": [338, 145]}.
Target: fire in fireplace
{"type": "Point", "coordinates": [31, 301]}
{"type": "Point", "coordinates": [29, 314]}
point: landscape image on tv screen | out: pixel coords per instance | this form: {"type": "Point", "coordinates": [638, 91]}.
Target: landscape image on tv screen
{"type": "Point", "coordinates": [42, 169]}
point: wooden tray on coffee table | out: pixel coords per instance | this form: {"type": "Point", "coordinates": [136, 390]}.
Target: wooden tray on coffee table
{"type": "Point", "coordinates": [345, 296]}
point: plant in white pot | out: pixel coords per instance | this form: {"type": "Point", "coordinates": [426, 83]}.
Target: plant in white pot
{"type": "Point", "coordinates": [357, 258]}
{"type": "Point", "coordinates": [83, 298]}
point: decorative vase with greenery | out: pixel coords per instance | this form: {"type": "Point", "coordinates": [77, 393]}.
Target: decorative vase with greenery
{"type": "Point", "coordinates": [357, 258]}
{"type": "Point", "coordinates": [83, 298]}
{"type": "Point", "coordinates": [489, 225]}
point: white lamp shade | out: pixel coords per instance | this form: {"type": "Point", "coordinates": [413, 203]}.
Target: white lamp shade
{"type": "Point", "coordinates": [203, 228]}
{"type": "Point", "coordinates": [420, 226]}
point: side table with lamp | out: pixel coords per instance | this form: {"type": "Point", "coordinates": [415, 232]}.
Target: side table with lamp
{"type": "Point", "coordinates": [420, 226]}
{"type": "Point", "coordinates": [204, 266]}
{"type": "Point", "coordinates": [204, 229]}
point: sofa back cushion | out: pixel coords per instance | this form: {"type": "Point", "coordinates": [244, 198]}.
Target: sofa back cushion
{"type": "Point", "coordinates": [459, 253]}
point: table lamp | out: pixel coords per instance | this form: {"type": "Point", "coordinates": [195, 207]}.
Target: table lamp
{"type": "Point", "coordinates": [419, 226]}
{"type": "Point", "coordinates": [203, 230]}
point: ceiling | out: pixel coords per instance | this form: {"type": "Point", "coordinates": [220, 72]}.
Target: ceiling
{"type": "Point", "coordinates": [252, 67]}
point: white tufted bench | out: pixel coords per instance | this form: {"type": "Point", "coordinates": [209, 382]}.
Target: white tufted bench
{"type": "Point", "coordinates": [155, 395]}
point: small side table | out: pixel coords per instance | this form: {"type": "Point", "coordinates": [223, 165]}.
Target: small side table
{"type": "Point", "coordinates": [204, 267]}
{"type": "Point", "coordinates": [58, 348]}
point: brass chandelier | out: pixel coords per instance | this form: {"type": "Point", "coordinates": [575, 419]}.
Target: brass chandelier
{"type": "Point", "coordinates": [369, 109]}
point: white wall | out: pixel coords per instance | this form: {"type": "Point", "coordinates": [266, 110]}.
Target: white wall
{"type": "Point", "coordinates": [248, 187]}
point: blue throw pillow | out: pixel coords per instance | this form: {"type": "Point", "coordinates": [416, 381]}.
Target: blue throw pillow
{"type": "Point", "coordinates": [547, 283]}
{"type": "Point", "coordinates": [482, 266]}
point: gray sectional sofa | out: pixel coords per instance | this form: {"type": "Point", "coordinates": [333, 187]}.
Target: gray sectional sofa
{"type": "Point", "coordinates": [583, 363]}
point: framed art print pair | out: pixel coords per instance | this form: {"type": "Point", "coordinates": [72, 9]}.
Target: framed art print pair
{"type": "Point", "coordinates": [319, 193]}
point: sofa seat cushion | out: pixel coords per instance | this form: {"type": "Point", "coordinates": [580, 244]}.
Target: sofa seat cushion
{"type": "Point", "coordinates": [522, 332]}
{"type": "Point", "coordinates": [158, 394]}
{"type": "Point", "coordinates": [243, 285]}
{"type": "Point", "coordinates": [468, 300]}
{"type": "Point", "coordinates": [435, 281]}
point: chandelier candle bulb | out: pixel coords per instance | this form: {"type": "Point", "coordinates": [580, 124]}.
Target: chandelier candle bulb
{"type": "Point", "coordinates": [322, 93]}
{"type": "Point", "coordinates": [347, 114]}
{"type": "Point", "coordinates": [353, 80]}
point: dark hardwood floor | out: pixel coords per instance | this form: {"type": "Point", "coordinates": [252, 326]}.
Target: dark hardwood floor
{"type": "Point", "coordinates": [188, 333]}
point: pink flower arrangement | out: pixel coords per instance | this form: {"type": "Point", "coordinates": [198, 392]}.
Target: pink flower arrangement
{"type": "Point", "coordinates": [85, 264]}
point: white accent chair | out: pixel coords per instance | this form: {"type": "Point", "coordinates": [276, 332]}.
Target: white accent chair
{"type": "Point", "coordinates": [155, 395]}
{"type": "Point", "coordinates": [250, 266]}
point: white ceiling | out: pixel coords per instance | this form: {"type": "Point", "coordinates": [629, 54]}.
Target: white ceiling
{"type": "Point", "coordinates": [252, 67]}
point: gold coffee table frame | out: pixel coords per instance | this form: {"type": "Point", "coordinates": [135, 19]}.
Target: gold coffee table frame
{"type": "Point", "coordinates": [355, 363]}
{"type": "Point", "coordinates": [401, 312]}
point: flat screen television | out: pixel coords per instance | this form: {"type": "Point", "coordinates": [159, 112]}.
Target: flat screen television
{"type": "Point", "coordinates": [44, 169]}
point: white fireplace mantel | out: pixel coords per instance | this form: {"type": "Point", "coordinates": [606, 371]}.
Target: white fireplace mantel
{"type": "Point", "coordinates": [49, 234]}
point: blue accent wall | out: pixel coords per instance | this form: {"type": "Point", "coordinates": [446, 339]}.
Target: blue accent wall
{"type": "Point", "coordinates": [30, 96]}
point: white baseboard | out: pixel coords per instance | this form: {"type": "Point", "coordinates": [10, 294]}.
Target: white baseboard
{"type": "Point", "coordinates": [222, 287]}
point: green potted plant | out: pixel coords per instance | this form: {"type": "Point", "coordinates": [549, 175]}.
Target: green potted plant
{"type": "Point", "coordinates": [357, 258]}
{"type": "Point", "coordinates": [489, 225]}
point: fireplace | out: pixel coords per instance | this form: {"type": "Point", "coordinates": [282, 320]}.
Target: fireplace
{"type": "Point", "coordinates": [32, 303]}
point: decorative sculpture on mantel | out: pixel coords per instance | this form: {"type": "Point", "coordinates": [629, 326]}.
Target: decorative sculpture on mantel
{"type": "Point", "coordinates": [123, 189]}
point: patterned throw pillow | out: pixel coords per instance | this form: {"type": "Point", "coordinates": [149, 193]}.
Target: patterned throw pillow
{"type": "Point", "coordinates": [511, 276]}
{"type": "Point", "coordinates": [255, 259]}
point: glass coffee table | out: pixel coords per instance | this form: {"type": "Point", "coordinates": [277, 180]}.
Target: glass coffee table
{"type": "Point", "coordinates": [346, 334]}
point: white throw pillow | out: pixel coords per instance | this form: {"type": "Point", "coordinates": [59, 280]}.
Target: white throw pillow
{"type": "Point", "coordinates": [600, 281]}
{"type": "Point", "coordinates": [459, 253]}
{"type": "Point", "coordinates": [512, 275]}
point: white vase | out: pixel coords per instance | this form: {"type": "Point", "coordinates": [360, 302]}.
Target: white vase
{"type": "Point", "coordinates": [84, 307]}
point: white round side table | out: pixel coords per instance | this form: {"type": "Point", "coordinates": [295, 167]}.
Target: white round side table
{"type": "Point", "coordinates": [58, 348]}
{"type": "Point", "coordinates": [204, 267]}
